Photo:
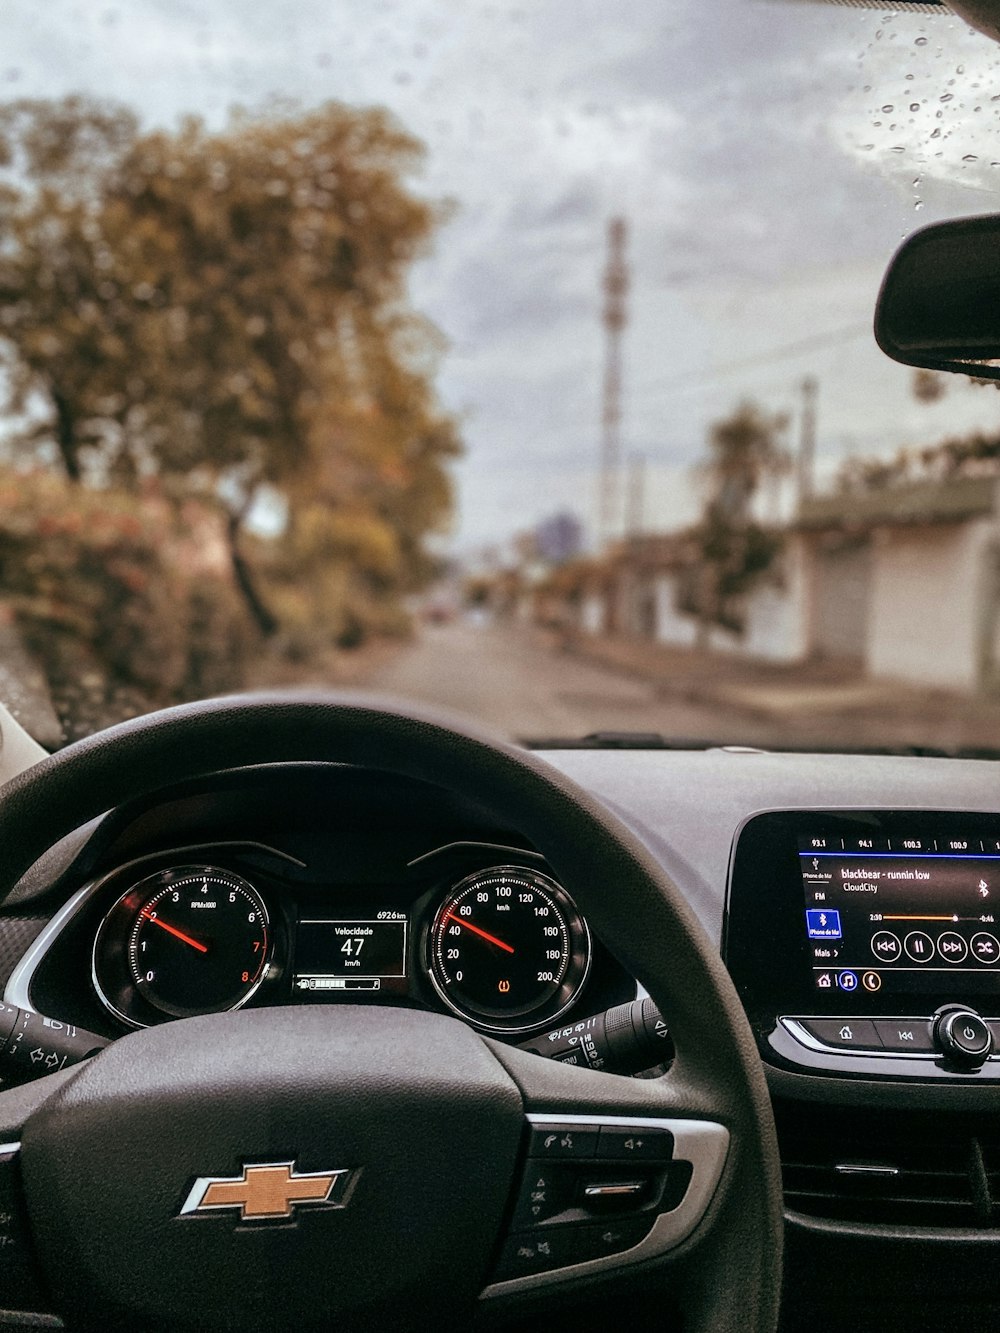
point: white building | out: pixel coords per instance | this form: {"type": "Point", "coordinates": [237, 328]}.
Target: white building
{"type": "Point", "coordinates": [857, 580]}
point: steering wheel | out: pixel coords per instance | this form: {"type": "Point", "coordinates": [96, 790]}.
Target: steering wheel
{"type": "Point", "coordinates": [421, 1122]}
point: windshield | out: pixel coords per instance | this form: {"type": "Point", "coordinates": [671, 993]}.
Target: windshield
{"type": "Point", "coordinates": [515, 358]}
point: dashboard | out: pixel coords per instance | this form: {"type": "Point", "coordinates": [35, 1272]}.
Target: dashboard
{"type": "Point", "coordinates": [310, 899]}
{"type": "Point", "coordinates": [502, 946]}
{"type": "Point", "coordinates": [852, 898]}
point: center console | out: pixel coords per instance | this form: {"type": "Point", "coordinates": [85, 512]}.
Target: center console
{"type": "Point", "coordinates": [867, 943]}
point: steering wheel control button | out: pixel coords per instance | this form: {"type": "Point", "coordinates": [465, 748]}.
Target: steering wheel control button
{"type": "Point", "coordinates": [537, 1252]}
{"type": "Point", "coordinates": [546, 1191]}
{"type": "Point", "coordinates": [964, 1038]}
{"type": "Point", "coordinates": [905, 1035]}
{"type": "Point", "coordinates": [562, 1140]}
{"type": "Point", "coordinates": [20, 1288]}
{"type": "Point", "coordinates": [616, 1193]}
{"type": "Point", "coordinates": [886, 947]}
{"type": "Point", "coordinates": [526, 1253]}
{"type": "Point", "coordinates": [611, 1237]}
{"type": "Point", "coordinates": [623, 1143]}
{"type": "Point", "coordinates": [843, 1034]}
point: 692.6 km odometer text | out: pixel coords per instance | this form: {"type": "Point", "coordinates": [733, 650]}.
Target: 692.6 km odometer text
{"type": "Point", "coordinates": [509, 950]}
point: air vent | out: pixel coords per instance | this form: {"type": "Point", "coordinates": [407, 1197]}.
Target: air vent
{"type": "Point", "coordinates": [989, 1147]}
{"type": "Point", "coordinates": [873, 1169]}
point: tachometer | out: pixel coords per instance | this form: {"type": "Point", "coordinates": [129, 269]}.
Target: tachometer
{"type": "Point", "coordinates": [189, 940]}
{"type": "Point", "coordinates": [509, 950]}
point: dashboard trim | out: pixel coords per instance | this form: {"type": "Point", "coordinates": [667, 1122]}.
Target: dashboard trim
{"type": "Point", "coordinates": [18, 989]}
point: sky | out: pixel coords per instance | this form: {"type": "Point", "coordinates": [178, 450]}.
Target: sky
{"type": "Point", "coordinates": [768, 156]}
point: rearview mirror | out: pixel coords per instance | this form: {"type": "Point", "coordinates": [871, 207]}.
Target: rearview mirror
{"type": "Point", "coordinates": [939, 306]}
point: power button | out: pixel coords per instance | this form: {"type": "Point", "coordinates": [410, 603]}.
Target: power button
{"type": "Point", "coordinates": [963, 1037]}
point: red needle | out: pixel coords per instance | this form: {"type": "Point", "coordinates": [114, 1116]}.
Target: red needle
{"type": "Point", "coordinates": [477, 930]}
{"type": "Point", "coordinates": [179, 934]}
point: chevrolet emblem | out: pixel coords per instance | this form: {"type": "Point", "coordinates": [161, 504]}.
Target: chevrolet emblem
{"type": "Point", "coordinates": [269, 1192]}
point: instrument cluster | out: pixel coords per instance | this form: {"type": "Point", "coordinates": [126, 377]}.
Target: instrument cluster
{"type": "Point", "coordinates": [502, 946]}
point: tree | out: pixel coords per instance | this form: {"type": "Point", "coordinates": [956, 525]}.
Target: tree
{"type": "Point", "coordinates": [247, 288]}
{"type": "Point", "coordinates": [64, 331]}
{"type": "Point", "coordinates": [732, 548]}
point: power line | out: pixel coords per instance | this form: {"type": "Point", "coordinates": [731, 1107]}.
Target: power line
{"type": "Point", "coordinates": [813, 343]}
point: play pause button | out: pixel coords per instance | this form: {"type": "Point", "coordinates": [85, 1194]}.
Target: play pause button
{"type": "Point", "coordinates": [919, 946]}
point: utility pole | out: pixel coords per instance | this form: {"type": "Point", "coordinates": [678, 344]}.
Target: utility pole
{"type": "Point", "coordinates": [635, 509]}
{"type": "Point", "coordinates": [615, 318]}
{"type": "Point", "coordinates": [807, 438]}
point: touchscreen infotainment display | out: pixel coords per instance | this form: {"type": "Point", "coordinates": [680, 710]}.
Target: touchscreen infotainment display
{"type": "Point", "coordinates": [885, 914]}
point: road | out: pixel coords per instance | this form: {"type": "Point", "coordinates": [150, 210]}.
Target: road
{"type": "Point", "coordinates": [506, 677]}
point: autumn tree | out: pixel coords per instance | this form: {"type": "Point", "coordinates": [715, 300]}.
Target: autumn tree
{"type": "Point", "coordinates": [64, 331]}
{"type": "Point", "coordinates": [733, 549]}
{"type": "Point", "coordinates": [255, 279]}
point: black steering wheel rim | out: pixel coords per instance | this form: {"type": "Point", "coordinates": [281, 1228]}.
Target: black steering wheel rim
{"type": "Point", "coordinates": [731, 1277]}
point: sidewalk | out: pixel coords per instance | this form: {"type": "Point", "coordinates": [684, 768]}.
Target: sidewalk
{"type": "Point", "coordinates": [811, 702]}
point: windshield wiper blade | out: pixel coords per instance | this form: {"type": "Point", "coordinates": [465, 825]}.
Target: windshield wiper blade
{"type": "Point", "coordinates": [618, 740]}
{"type": "Point", "coordinates": [654, 740]}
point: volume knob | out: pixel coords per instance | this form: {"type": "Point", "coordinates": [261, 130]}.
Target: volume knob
{"type": "Point", "coordinates": [963, 1038]}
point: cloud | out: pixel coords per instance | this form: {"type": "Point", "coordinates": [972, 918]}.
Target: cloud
{"type": "Point", "coordinates": [733, 136]}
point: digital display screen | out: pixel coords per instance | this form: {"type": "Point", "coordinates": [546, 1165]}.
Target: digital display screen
{"type": "Point", "coordinates": [901, 914]}
{"type": "Point", "coordinates": [349, 955]}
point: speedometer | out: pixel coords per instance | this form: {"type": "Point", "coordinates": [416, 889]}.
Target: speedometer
{"type": "Point", "coordinates": [510, 952]}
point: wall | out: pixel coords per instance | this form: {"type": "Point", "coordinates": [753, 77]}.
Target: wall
{"type": "Point", "coordinates": [925, 617]}
{"type": "Point", "coordinates": [776, 615]}
{"type": "Point", "coordinates": [669, 624]}
{"type": "Point", "coordinates": [592, 613]}
{"type": "Point", "coordinates": [841, 597]}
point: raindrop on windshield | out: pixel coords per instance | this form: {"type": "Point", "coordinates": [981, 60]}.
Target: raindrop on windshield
{"type": "Point", "coordinates": [914, 106]}
{"type": "Point", "coordinates": [920, 41]}
{"type": "Point", "coordinates": [888, 108]}
{"type": "Point", "coordinates": [970, 157]}
{"type": "Point", "coordinates": [947, 97]}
